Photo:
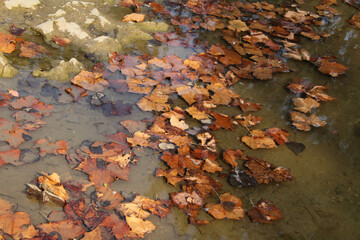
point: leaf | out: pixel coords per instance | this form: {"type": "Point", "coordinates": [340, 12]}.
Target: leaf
{"type": "Point", "coordinates": [67, 229]}
{"type": "Point", "coordinates": [141, 85]}
{"type": "Point", "coordinates": [56, 148]}
{"type": "Point", "coordinates": [221, 121]}
{"type": "Point", "coordinates": [134, 126]}
{"type": "Point", "coordinates": [10, 157]}
{"type": "Point", "coordinates": [154, 102]}
{"type": "Point", "coordinates": [12, 133]}
{"type": "Point", "coordinates": [278, 135]}
{"type": "Point", "coordinates": [303, 122]}
{"type": "Point", "coordinates": [317, 92]}
{"type": "Point", "coordinates": [355, 21]}
{"type": "Point", "coordinates": [330, 67]}
{"type": "Point", "coordinates": [134, 17]}
{"type": "Point", "coordinates": [230, 208]}
{"type": "Point", "coordinates": [17, 225]}
{"type": "Point", "coordinates": [196, 113]}
{"type": "Point", "coordinates": [51, 183]}
{"type": "Point", "coordinates": [31, 49]}
{"type": "Point", "coordinates": [248, 121]}
{"type": "Point", "coordinates": [139, 226]}
{"type": "Point", "coordinates": [258, 140]}
{"type": "Point", "coordinates": [211, 166]}
{"type": "Point", "coordinates": [5, 207]}
{"type": "Point", "coordinates": [264, 212]}
{"type": "Point", "coordinates": [160, 208]}
{"type": "Point", "coordinates": [140, 138]}
{"type": "Point", "coordinates": [305, 104]}
{"type": "Point", "coordinates": [171, 175]}
{"type": "Point", "coordinates": [107, 198]}
{"type": "Point", "coordinates": [265, 172]}
{"type": "Point", "coordinates": [71, 94]}
{"type": "Point", "coordinates": [189, 202]}
{"type": "Point", "coordinates": [8, 42]}
{"type": "Point", "coordinates": [61, 41]}
{"type": "Point", "coordinates": [119, 228]}
{"type": "Point", "coordinates": [238, 26]}
{"type": "Point", "coordinates": [90, 81]}
{"type": "Point", "coordinates": [239, 178]}
{"type": "Point", "coordinates": [16, 31]}
{"type": "Point", "coordinates": [230, 156]}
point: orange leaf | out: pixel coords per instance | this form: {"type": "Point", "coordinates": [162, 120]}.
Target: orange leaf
{"type": "Point", "coordinates": [10, 157]}
{"type": "Point", "coordinates": [90, 81]}
{"type": "Point", "coordinates": [68, 229]}
{"type": "Point", "coordinates": [258, 140]}
{"type": "Point", "coordinates": [17, 225]}
{"type": "Point", "coordinates": [230, 208]}
{"type": "Point", "coordinates": [61, 41]}
{"type": "Point", "coordinates": [264, 212]}
{"type": "Point", "coordinates": [56, 148]}
{"type": "Point", "coordinates": [134, 17]}
{"type": "Point", "coordinates": [31, 49]}
{"type": "Point", "coordinates": [8, 42]}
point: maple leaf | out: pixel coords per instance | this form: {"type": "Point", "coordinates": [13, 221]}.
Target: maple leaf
{"type": "Point", "coordinates": [134, 17]}
{"type": "Point", "coordinates": [51, 183]}
{"type": "Point", "coordinates": [212, 24]}
{"type": "Point", "coordinates": [192, 94]}
{"type": "Point", "coordinates": [258, 140]}
{"type": "Point", "coordinates": [12, 133]}
{"type": "Point", "coordinates": [230, 208]}
{"type": "Point", "coordinates": [230, 156]}
{"type": "Point", "coordinates": [90, 81]}
{"type": "Point", "coordinates": [171, 175]}
{"type": "Point", "coordinates": [279, 135]}
{"type": "Point", "coordinates": [17, 225]}
{"type": "Point", "coordinates": [305, 104]}
{"type": "Point", "coordinates": [221, 121]}
{"type": "Point", "coordinates": [264, 212]}
{"type": "Point", "coordinates": [71, 94]}
{"type": "Point", "coordinates": [158, 207]}
{"type": "Point", "coordinates": [10, 157]}
{"type": "Point", "coordinates": [8, 42]}
{"type": "Point", "coordinates": [304, 123]}
{"type": "Point", "coordinates": [154, 102]}
{"type": "Point", "coordinates": [107, 198]}
{"type": "Point", "coordinates": [141, 85]}
{"type": "Point", "coordinates": [56, 148]}
{"type": "Point", "coordinates": [67, 229]}
{"type": "Point", "coordinates": [330, 67]}
{"type": "Point", "coordinates": [238, 26]}
{"type": "Point", "coordinates": [31, 49]}
{"type": "Point", "coordinates": [211, 166]}
{"type": "Point", "coordinates": [61, 41]}
{"type": "Point", "coordinates": [119, 228]}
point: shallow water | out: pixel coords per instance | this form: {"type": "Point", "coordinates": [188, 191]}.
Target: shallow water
{"type": "Point", "coordinates": [323, 202]}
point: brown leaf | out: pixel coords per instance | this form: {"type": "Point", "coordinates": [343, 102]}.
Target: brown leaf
{"type": "Point", "coordinates": [264, 212]}
{"type": "Point", "coordinates": [160, 208]}
{"type": "Point", "coordinates": [31, 49]}
{"type": "Point", "coordinates": [230, 156]}
{"type": "Point", "coordinates": [134, 17]}
{"type": "Point", "coordinates": [139, 226]}
{"type": "Point", "coordinates": [52, 184]}
{"type": "Point", "coordinates": [355, 21]}
{"type": "Point", "coordinates": [56, 148]}
{"type": "Point", "coordinates": [141, 85]}
{"type": "Point", "coordinates": [212, 24]}
{"type": "Point", "coordinates": [303, 122]}
{"type": "Point", "coordinates": [189, 202]}
{"type": "Point", "coordinates": [61, 41]}
{"type": "Point", "coordinates": [258, 140]}
{"type": "Point", "coordinates": [279, 135]}
{"type": "Point", "coordinates": [230, 208]}
{"type": "Point", "coordinates": [68, 229]}
{"type": "Point", "coordinates": [119, 228]}
{"type": "Point", "coordinates": [134, 126]}
{"type": "Point", "coordinates": [90, 81]}
{"type": "Point", "coordinates": [196, 113]}
{"type": "Point", "coordinates": [211, 166]}
{"type": "Point", "coordinates": [10, 157]}
{"type": "Point", "coordinates": [317, 92]}
{"type": "Point", "coordinates": [12, 133]}
{"type": "Point", "coordinates": [154, 102]}
{"type": "Point", "coordinates": [305, 104]}
{"type": "Point", "coordinates": [248, 120]}
{"type": "Point", "coordinates": [238, 26]}
{"type": "Point", "coordinates": [171, 175]}
{"type": "Point", "coordinates": [140, 138]}
{"type": "Point", "coordinates": [17, 225]}
{"type": "Point", "coordinates": [8, 42]}
{"type": "Point", "coordinates": [221, 121]}
{"type": "Point", "coordinates": [330, 67]}
{"type": "Point", "coordinates": [5, 206]}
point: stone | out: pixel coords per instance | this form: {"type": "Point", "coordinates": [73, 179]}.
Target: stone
{"type": "Point", "coordinates": [6, 70]}
{"type": "Point", "coordinates": [10, 4]}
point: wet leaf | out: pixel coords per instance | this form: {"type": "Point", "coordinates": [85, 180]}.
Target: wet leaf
{"type": "Point", "coordinates": [160, 208]}
{"type": "Point", "coordinates": [10, 157]}
{"type": "Point", "coordinates": [12, 133]}
{"type": "Point", "coordinates": [141, 85]}
{"type": "Point", "coordinates": [17, 225]}
{"type": "Point", "coordinates": [51, 183]}
{"type": "Point", "coordinates": [140, 138]}
{"type": "Point", "coordinates": [154, 102]}
{"type": "Point", "coordinates": [212, 24]}
{"type": "Point", "coordinates": [264, 212]}
{"type": "Point", "coordinates": [139, 226]}
{"type": "Point", "coordinates": [330, 67]}
{"type": "Point", "coordinates": [90, 81]}
{"type": "Point", "coordinates": [31, 49]}
{"type": "Point", "coordinates": [221, 121]}
{"type": "Point", "coordinates": [305, 104]}
{"type": "Point", "coordinates": [248, 120]}
{"type": "Point", "coordinates": [171, 175]}
{"type": "Point", "coordinates": [8, 42]}
{"type": "Point", "coordinates": [304, 122]}
{"type": "Point", "coordinates": [258, 139]}
{"type": "Point", "coordinates": [119, 228]}
{"type": "Point", "coordinates": [239, 178]}
{"type": "Point", "coordinates": [189, 202]}
{"type": "Point", "coordinates": [61, 41]}
{"type": "Point", "coordinates": [67, 229]}
{"type": "Point", "coordinates": [278, 135]}
{"type": "Point", "coordinates": [107, 198]}
{"type": "Point", "coordinates": [230, 156]}
{"type": "Point", "coordinates": [211, 166]}
{"type": "Point", "coordinates": [134, 17]}
{"type": "Point", "coordinates": [238, 26]}
{"type": "Point", "coordinates": [72, 94]}
{"type": "Point", "coordinates": [230, 208]}
{"type": "Point", "coordinates": [196, 113]}
{"type": "Point", "coordinates": [16, 31]}
{"type": "Point", "coordinates": [355, 21]}
{"type": "Point", "coordinates": [134, 126]}
{"type": "Point", "coordinates": [56, 148]}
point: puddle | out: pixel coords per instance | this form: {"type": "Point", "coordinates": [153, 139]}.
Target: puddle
{"type": "Point", "coordinates": [322, 203]}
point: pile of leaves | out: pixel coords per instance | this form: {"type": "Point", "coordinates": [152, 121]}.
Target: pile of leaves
{"type": "Point", "coordinates": [259, 36]}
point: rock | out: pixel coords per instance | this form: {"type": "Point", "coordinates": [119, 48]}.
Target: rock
{"type": "Point", "coordinates": [102, 46]}
{"type": "Point", "coordinates": [21, 3]}
{"type": "Point", "coordinates": [62, 72]}
{"type": "Point", "coordinates": [6, 70]}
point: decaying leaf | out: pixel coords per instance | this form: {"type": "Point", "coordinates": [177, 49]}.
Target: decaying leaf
{"type": "Point", "coordinates": [230, 156]}
{"type": "Point", "coordinates": [12, 133]}
{"type": "Point", "coordinates": [278, 135]}
{"type": "Point", "coordinates": [17, 225]}
{"type": "Point", "coordinates": [305, 104]}
{"type": "Point", "coordinates": [56, 148]}
{"type": "Point", "coordinates": [31, 49]}
{"type": "Point", "coordinates": [10, 157]}
{"type": "Point", "coordinates": [67, 229]}
{"type": "Point", "coordinates": [90, 81]}
{"type": "Point", "coordinates": [258, 139]}
{"type": "Point", "coordinates": [230, 207]}
{"type": "Point", "coordinates": [264, 212]}
{"type": "Point", "coordinates": [61, 41]}
{"type": "Point", "coordinates": [248, 120]}
{"type": "Point", "coordinates": [139, 226]}
{"type": "Point", "coordinates": [171, 175]}
{"type": "Point", "coordinates": [304, 122]}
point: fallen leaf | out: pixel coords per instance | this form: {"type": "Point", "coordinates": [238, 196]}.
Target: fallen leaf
{"type": "Point", "coordinates": [119, 228]}
{"type": "Point", "coordinates": [134, 17]}
{"type": "Point", "coordinates": [305, 104]}
{"type": "Point", "coordinates": [12, 133]}
{"type": "Point", "coordinates": [239, 178]}
{"type": "Point", "coordinates": [264, 212]}
{"type": "Point", "coordinates": [90, 81]}
{"type": "Point", "coordinates": [211, 166]}
{"type": "Point", "coordinates": [10, 157]}
{"type": "Point", "coordinates": [140, 138]}
{"type": "Point", "coordinates": [160, 208]}
{"type": "Point", "coordinates": [258, 140]}
{"type": "Point", "coordinates": [189, 202]}
{"type": "Point", "coordinates": [196, 113]}
{"type": "Point", "coordinates": [154, 102]}
{"type": "Point", "coordinates": [230, 208]}
{"type": "Point", "coordinates": [17, 225]}
{"type": "Point", "coordinates": [230, 156]}
{"type": "Point", "coordinates": [304, 123]}
{"type": "Point", "coordinates": [330, 67]}
{"type": "Point", "coordinates": [248, 120]}
{"type": "Point", "coordinates": [171, 175]}
{"type": "Point", "coordinates": [278, 135]}
{"type": "Point", "coordinates": [67, 229]}
{"type": "Point", "coordinates": [238, 26]}
{"type": "Point", "coordinates": [31, 49]}
{"type": "Point", "coordinates": [139, 226]}
{"type": "Point", "coordinates": [56, 148]}
{"type": "Point", "coordinates": [16, 31]}
{"type": "Point", "coordinates": [8, 42]}
{"type": "Point", "coordinates": [61, 41]}
{"type": "Point", "coordinates": [107, 198]}
{"type": "Point", "coordinates": [51, 183]}
{"type": "Point", "coordinates": [221, 121]}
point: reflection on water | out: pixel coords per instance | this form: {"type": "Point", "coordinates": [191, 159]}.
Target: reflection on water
{"type": "Point", "coordinates": [323, 202]}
